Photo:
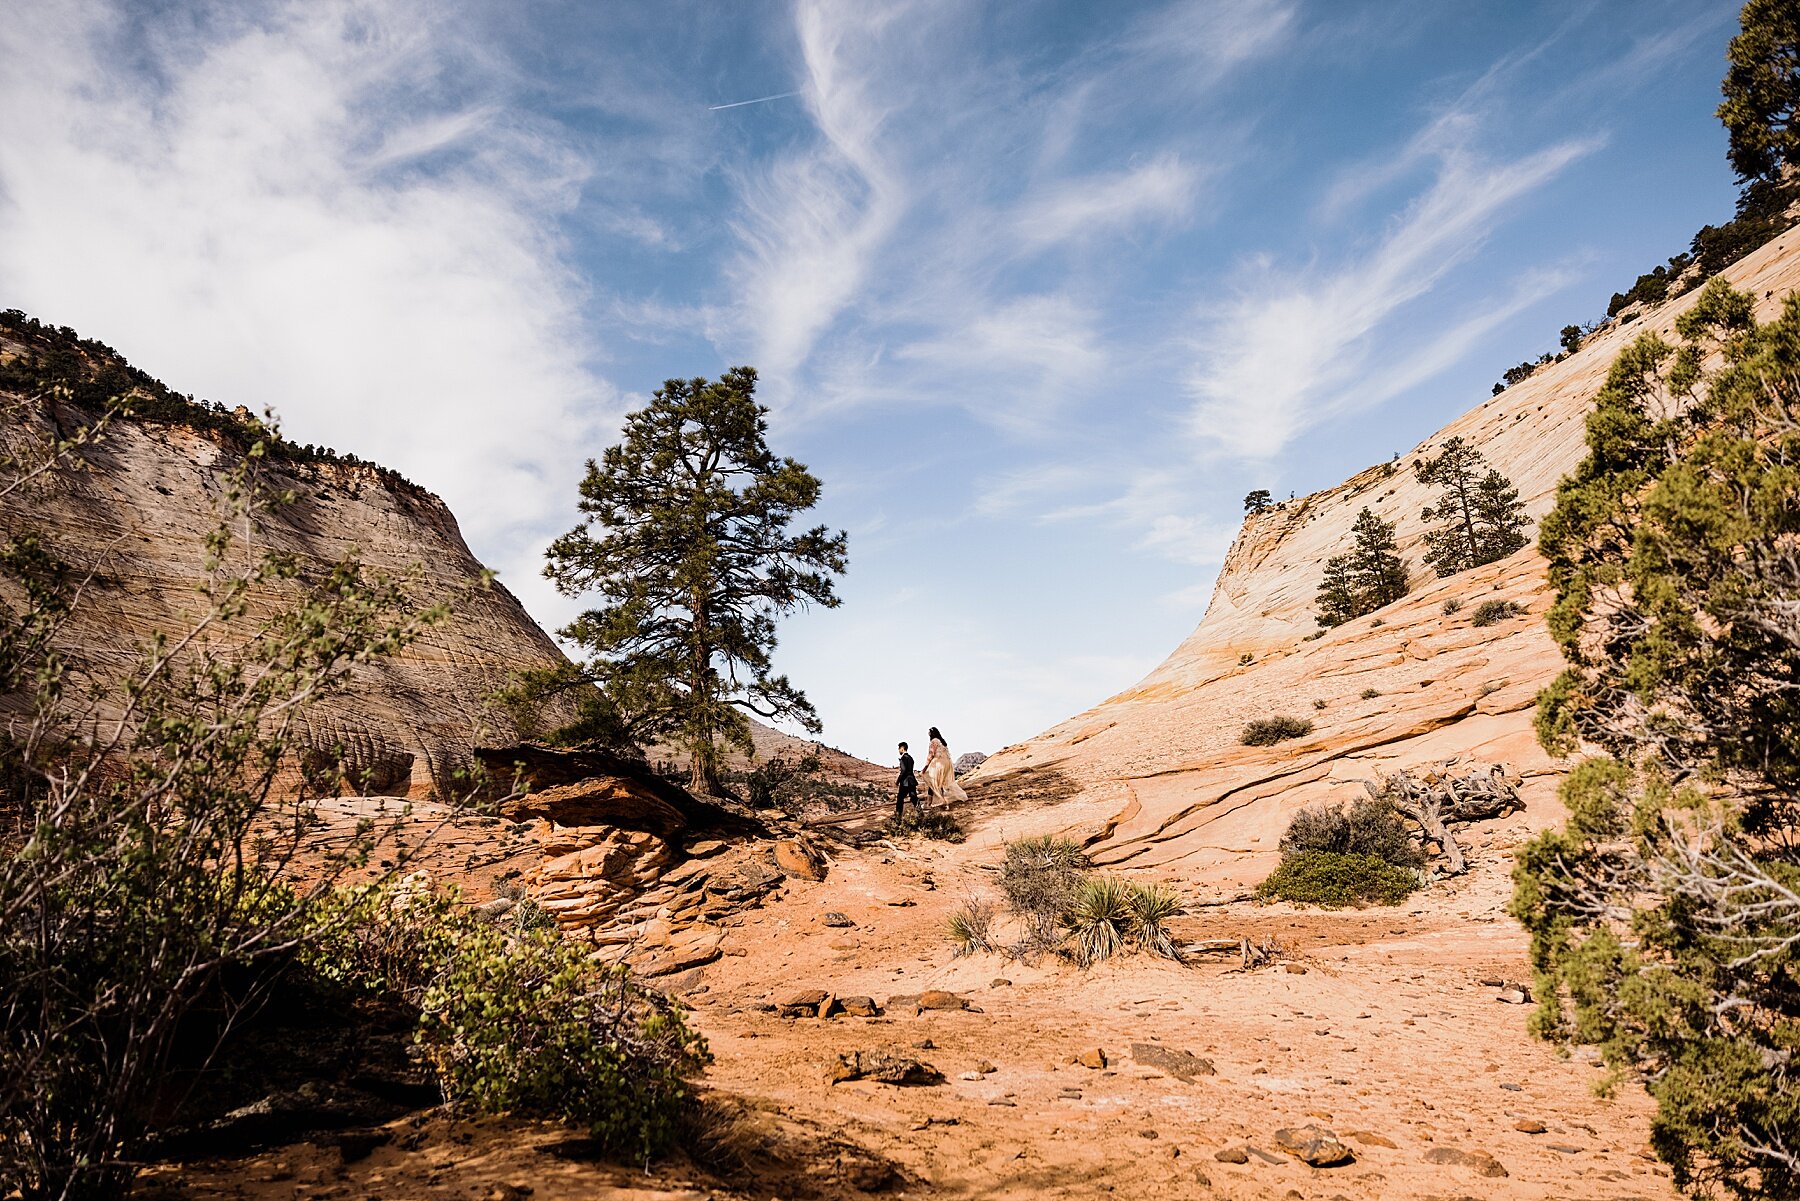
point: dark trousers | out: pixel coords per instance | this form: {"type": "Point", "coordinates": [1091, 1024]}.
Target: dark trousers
{"type": "Point", "coordinates": [909, 787]}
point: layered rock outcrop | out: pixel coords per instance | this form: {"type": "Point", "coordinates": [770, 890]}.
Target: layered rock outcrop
{"type": "Point", "coordinates": [1413, 683]}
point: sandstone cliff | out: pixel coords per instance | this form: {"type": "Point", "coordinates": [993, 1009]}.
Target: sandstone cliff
{"type": "Point", "coordinates": [1163, 757]}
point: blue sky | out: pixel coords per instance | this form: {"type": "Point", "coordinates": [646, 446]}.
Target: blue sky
{"type": "Point", "coordinates": [1039, 290]}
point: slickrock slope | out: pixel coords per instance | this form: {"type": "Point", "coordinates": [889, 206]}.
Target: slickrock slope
{"type": "Point", "coordinates": [1163, 756]}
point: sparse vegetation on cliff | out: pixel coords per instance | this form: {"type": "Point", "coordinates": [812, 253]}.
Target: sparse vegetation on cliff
{"type": "Point", "coordinates": [1483, 520]}
{"type": "Point", "coordinates": [1267, 731]}
{"type": "Point", "coordinates": [1368, 576]}
{"type": "Point", "coordinates": [55, 361]}
{"type": "Point", "coordinates": [1335, 857]}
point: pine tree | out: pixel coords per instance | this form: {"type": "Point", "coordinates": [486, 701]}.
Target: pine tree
{"type": "Point", "coordinates": [1484, 520]}
{"type": "Point", "coordinates": [1258, 501]}
{"type": "Point", "coordinates": [1762, 90]}
{"type": "Point", "coordinates": [1369, 575]}
{"type": "Point", "coordinates": [684, 537]}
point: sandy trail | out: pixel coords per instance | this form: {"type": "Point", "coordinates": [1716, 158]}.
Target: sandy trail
{"type": "Point", "coordinates": [1378, 1026]}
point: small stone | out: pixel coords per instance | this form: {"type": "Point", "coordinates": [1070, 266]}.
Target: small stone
{"type": "Point", "coordinates": [507, 1192]}
{"type": "Point", "coordinates": [1530, 1126]}
{"type": "Point", "coordinates": [1480, 1162]}
{"type": "Point", "coordinates": [834, 918]}
{"type": "Point", "coordinates": [1182, 1065]}
{"type": "Point", "coordinates": [1147, 1134]}
{"type": "Point", "coordinates": [986, 1068]}
{"type": "Point", "coordinates": [1369, 1138]}
{"type": "Point", "coordinates": [1232, 1155]}
{"type": "Point", "coordinates": [1006, 1101]}
{"type": "Point", "coordinates": [859, 1007]}
{"type": "Point", "coordinates": [1513, 996]}
{"type": "Point", "coordinates": [999, 982]}
{"type": "Point", "coordinates": [1562, 1149]}
{"type": "Point", "coordinates": [970, 1076]}
{"type": "Point", "coordinates": [937, 998]}
{"type": "Point", "coordinates": [1294, 969]}
{"type": "Point", "coordinates": [1093, 1058]}
{"type": "Point", "coordinates": [1314, 1145]}
{"type": "Point", "coordinates": [925, 1044]}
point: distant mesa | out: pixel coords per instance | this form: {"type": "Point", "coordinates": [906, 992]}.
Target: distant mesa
{"type": "Point", "coordinates": [968, 761]}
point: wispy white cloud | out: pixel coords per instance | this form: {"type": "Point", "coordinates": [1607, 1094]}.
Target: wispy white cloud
{"type": "Point", "coordinates": [1281, 355]}
{"type": "Point", "coordinates": [259, 206]}
{"type": "Point", "coordinates": [1162, 189]}
{"type": "Point", "coordinates": [1202, 40]}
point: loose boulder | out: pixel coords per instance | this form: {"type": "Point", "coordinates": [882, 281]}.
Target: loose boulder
{"type": "Point", "coordinates": [1314, 1145]}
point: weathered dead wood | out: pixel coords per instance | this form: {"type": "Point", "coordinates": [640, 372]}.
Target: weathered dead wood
{"type": "Point", "coordinates": [1437, 799]}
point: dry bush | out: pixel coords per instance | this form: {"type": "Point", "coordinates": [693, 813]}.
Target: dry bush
{"type": "Point", "coordinates": [1267, 731]}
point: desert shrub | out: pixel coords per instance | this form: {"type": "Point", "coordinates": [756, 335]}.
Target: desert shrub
{"type": "Point", "coordinates": [1040, 877]}
{"type": "Point", "coordinates": [1267, 731]}
{"type": "Point", "coordinates": [1245, 659]}
{"type": "Point", "coordinates": [1335, 880]}
{"type": "Point", "coordinates": [1369, 694]}
{"type": "Point", "coordinates": [971, 926]}
{"type": "Point", "coordinates": [1098, 918]}
{"type": "Point", "coordinates": [1494, 612]}
{"type": "Point", "coordinates": [938, 824]}
{"type": "Point", "coordinates": [516, 1018]}
{"type": "Point", "coordinates": [1152, 907]}
{"type": "Point", "coordinates": [1319, 702]}
{"type": "Point", "coordinates": [1452, 606]}
{"type": "Point", "coordinates": [1368, 827]}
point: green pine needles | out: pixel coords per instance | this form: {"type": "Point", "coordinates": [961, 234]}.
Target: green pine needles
{"type": "Point", "coordinates": [1482, 519]}
{"type": "Point", "coordinates": [1368, 576]}
{"type": "Point", "coordinates": [1665, 915]}
{"type": "Point", "coordinates": [685, 542]}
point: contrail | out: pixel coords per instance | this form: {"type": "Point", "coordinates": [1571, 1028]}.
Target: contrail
{"type": "Point", "coordinates": [759, 100]}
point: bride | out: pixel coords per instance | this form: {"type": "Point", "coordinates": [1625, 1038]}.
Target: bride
{"type": "Point", "coordinates": [940, 773]}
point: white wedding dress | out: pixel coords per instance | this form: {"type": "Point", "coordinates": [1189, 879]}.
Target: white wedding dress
{"type": "Point", "coordinates": [940, 775]}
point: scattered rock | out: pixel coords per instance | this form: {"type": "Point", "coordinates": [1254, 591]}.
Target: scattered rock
{"type": "Point", "coordinates": [937, 998]}
{"type": "Point", "coordinates": [902, 903]}
{"type": "Point", "coordinates": [1314, 1145]}
{"type": "Point", "coordinates": [1232, 1155]}
{"type": "Point", "coordinates": [1530, 1126]}
{"type": "Point", "coordinates": [1180, 1064]}
{"type": "Point", "coordinates": [1006, 1101]}
{"type": "Point", "coordinates": [798, 859]}
{"type": "Point", "coordinates": [970, 1076]}
{"type": "Point", "coordinates": [813, 1003]}
{"type": "Point", "coordinates": [859, 1007]}
{"type": "Point", "coordinates": [1094, 1058]}
{"type": "Point", "coordinates": [1518, 994]}
{"type": "Point", "coordinates": [1480, 1162]}
{"type": "Point", "coordinates": [1562, 1149]}
{"type": "Point", "coordinates": [1264, 1155]}
{"type": "Point", "coordinates": [1294, 969]}
{"type": "Point", "coordinates": [999, 982]}
{"type": "Point", "coordinates": [1148, 1134]}
{"type": "Point", "coordinates": [884, 1068]}
{"type": "Point", "coordinates": [986, 1068]}
{"type": "Point", "coordinates": [507, 1192]}
{"type": "Point", "coordinates": [1369, 1138]}
{"type": "Point", "coordinates": [841, 921]}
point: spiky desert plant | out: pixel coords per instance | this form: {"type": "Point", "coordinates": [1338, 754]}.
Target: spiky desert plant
{"type": "Point", "coordinates": [1099, 919]}
{"type": "Point", "coordinates": [1152, 906]}
{"type": "Point", "coordinates": [1041, 877]}
{"type": "Point", "coordinates": [971, 926]}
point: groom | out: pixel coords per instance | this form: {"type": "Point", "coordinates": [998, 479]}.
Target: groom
{"type": "Point", "coordinates": [908, 787]}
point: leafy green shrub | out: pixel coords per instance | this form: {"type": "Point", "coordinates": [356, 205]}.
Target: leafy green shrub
{"type": "Point", "coordinates": [1267, 731]}
{"type": "Point", "coordinates": [1494, 612]}
{"type": "Point", "coordinates": [971, 926]}
{"type": "Point", "coordinates": [517, 1020]}
{"type": "Point", "coordinates": [939, 824]}
{"type": "Point", "coordinates": [1336, 880]}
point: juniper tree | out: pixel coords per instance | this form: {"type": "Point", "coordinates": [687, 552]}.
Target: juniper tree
{"type": "Point", "coordinates": [1258, 501]}
{"type": "Point", "coordinates": [1483, 519]}
{"type": "Point", "coordinates": [1364, 578]}
{"type": "Point", "coordinates": [1762, 89]}
{"type": "Point", "coordinates": [685, 540]}
{"type": "Point", "coordinates": [1665, 915]}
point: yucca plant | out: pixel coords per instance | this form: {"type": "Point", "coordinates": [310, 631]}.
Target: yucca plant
{"type": "Point", "coordinates": [971, 926]}
{"type": "Point", "coordinates": [1099, 918]}
{"type": "Point", "coordinates": [1152, 905]}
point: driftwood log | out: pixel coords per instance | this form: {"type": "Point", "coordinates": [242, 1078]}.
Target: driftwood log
{"type": "Point", "coordinates": [1438, 798]}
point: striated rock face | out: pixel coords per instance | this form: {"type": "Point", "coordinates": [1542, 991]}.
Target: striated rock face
{"type": "Point", "coordinates": [1163, 756]}
{"type": "Point", "coordinates": [139, 516]}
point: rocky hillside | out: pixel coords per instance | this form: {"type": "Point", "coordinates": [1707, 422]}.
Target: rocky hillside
{"type": "Point", "coordinates": [1408, 685]}
{"type": "Point", "coordinates": [138, 516]}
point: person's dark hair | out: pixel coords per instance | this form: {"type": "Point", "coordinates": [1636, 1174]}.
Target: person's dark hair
{"type": "Point", "coordinates": [939, 737]}
{"type": "Point", "coordinates": [903, 746]}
